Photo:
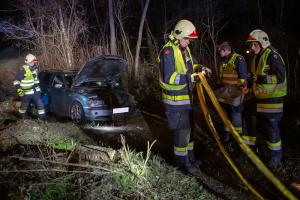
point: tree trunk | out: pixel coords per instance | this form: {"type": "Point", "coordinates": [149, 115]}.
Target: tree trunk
{"type": "Point", "coordinates": [139, 41]}
{"type": "Point", "coordinates": [113, 46]}
{"type": "Point", "coordinates": [259, 13]}
{"type": "Point", "coordinates": [68, 49]}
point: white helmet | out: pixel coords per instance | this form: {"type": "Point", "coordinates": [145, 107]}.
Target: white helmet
{"type": "Point", "coordinates": [259, 36]}
{"type": "Point", "coordinates": [184, 29]}
{"type": "Point", "coordinates": [30, 58]}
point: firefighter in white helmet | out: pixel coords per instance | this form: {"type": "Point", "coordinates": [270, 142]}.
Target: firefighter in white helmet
{"type": "Point", "coordinates": [27, 85]}
{"type": "Point", "coordinates": [177, 77]}
{"type": "Point", "coordinates": [269, 86]}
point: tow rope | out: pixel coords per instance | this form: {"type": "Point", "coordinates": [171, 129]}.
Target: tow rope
{"type": "Point", "coordinates": [253, 157]}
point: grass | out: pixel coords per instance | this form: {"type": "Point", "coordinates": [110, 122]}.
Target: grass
{"type": "Point", "coordinates": [133, 176]}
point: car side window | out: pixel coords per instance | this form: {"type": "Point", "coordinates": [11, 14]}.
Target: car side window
{"type": "Point", "coordinates": [58, 79]}
{"type": "Point", "coordinates": [45, 78]}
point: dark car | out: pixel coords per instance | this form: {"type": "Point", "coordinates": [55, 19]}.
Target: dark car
{"type": "Point", "coordinates": [97, 92]}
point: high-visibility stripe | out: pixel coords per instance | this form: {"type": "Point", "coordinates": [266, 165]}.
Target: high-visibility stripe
{"type": "Point", "coordinates": [41, 111]}
{"type": "Point", "coordinates": [191, 146]}
{"type": "Point", "coordinates": [269, 90]}
{"type": "Point", "coordinates": [269, 108]}
{"type": "Point", "coordinates": [21, 111]}
{"type": "Point", "coordinates": [170, 86]}
{"type": "Point", "coordinates": [177, 103]}
{"type": "Point", "coordinates": [270, 105]}
{"type": "Point", "coordinates": [37, 89]}
{"type": "Point", "coordinates": [26, 84]}
{"type": "Point", "coordinates": [230, 75]}
{"type": "Point", "coordinates": [275, 146]}
{"type": "Point", "coordinates": [239, 129]}
{"type": "Point", "coordinates": [29, 92]}
{"type": "Point", "coordinates": [180, 151]}
{"type": "Point", "coordinates": [175, 98]}
{"type": "Point", "coordinates": [173, 77]}
{"type": "Point", "coordinates": [241, 81]}
{"type": "Point", "coordinates": [250, 140]}
{"type": "Point", "coordinates": [27, 81]}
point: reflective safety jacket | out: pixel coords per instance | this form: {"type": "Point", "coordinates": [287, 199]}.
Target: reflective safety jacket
{"type": "Point", "coordinates": [269, 81]}
{"type": "Point", "coordinates": [233, 71]}
{"type": "Point", "coordinates": [176, 67]}
{"type": "Point", "coordinates": [27, 80]}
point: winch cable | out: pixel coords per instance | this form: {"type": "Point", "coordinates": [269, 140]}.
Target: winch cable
{"type": "Point", "coordinates": [220, 145]}
{"type": "Point", "coordinates": [253, 157]}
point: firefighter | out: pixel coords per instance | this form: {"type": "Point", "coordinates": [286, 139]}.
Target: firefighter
{"type": "Point", "coordinates": [269, 86]}
{"type": "Point", "coordinates": [28, 89]}
{"type": "Point", "coordinates": [177, 75]}
{"type": "Point", "coordinates": [233, 80]}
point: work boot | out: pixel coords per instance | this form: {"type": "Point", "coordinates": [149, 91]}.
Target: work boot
{"type": "Point", "coordinates": [274, 163]}
{"type": "Point", "coordinates": [196, 162]}
{"type": "Point", "coordinates": [185, 165]}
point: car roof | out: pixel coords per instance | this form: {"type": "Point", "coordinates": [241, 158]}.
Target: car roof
{"type": "Point", "coordinates": [57, 71]}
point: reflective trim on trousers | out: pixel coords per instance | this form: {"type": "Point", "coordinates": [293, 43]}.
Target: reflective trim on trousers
{"type": "Point", "coordinates": [180, 151]}
{"type": "Point", "coordinates": [41, 112]}
{"type": "Point", "coordinates": [239, 129]}
{"type": "Point", "coordinates": [184, 102]}
{"type": "Point", "coordinates": [249, 140]}
{"type": "Point", "coordinates": [29, 92]}
{"type": "Point", "coordinates": [191, 146]}
{"type": "Point", "coordinates": [21, 111]}
{"type": "Point", "coordinates": [275, 146]}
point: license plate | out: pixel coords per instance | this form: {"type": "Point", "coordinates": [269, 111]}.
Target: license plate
{"type": "Point", "coordinates": [120, 110]}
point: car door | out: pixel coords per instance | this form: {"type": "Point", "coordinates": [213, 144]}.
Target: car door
{"type": "Point", "coordinates": [57, 94]}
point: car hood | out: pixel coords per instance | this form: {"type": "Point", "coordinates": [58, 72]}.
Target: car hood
{"type": "Point", "coordinates": [99, 68]}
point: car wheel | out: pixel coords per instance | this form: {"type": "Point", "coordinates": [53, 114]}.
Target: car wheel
{"type": "Point", "coordinates": [77, 113]}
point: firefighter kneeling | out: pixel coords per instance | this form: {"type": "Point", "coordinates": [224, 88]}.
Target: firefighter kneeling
{"type": "Point", "coordinates": [28, 89]}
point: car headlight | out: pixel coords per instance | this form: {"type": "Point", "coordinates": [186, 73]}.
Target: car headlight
{"type": "Point", "coordinates": [96, 102]}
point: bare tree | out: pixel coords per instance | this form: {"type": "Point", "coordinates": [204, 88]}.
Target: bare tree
{"type": "Point", "coordinates": [139, 41]}
{"type": "Point", "coordinates": [113, 44]}
{"type": "Point", "coordinates": [121, 16]}
{"type": "Point", "coordinates": [212, 29]}
{"type": "Point", "coordinates": [51, 29]}
{"type": "Point", "coordinates": [260, 18]}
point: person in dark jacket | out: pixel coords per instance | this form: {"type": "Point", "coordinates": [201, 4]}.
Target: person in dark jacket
{"type": "Point", "coordinates": [177, 77]}
{"type": "Point", "coordinates": [232, 79]}
{"type": "Point", "coordinates": [28, 89]}
{"type": "Point", "coordinates": [269, 86]}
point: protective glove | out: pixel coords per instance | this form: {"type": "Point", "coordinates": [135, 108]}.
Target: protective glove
{"type": "Point", "coordinates": [195, 78]}
{"type": "Point", "coordinates": [206, 71]}
{"type": "Point", "coordinates": [20, 92]}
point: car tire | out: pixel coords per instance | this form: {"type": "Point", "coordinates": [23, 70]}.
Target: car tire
{"type": "Point", "coordinates": [77, 113]}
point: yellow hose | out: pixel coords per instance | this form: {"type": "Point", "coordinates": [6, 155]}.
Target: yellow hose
{"type": "Point", "coordinates": [258, 163]}
{"type": "Point", "coordinates": [217, 138]}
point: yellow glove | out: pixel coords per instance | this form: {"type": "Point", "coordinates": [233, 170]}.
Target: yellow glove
{"type": "Point", "coordinates": [20, 92]}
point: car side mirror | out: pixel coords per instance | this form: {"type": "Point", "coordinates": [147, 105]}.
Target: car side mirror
{"type": "Point", "coordinates": [58, 85]}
